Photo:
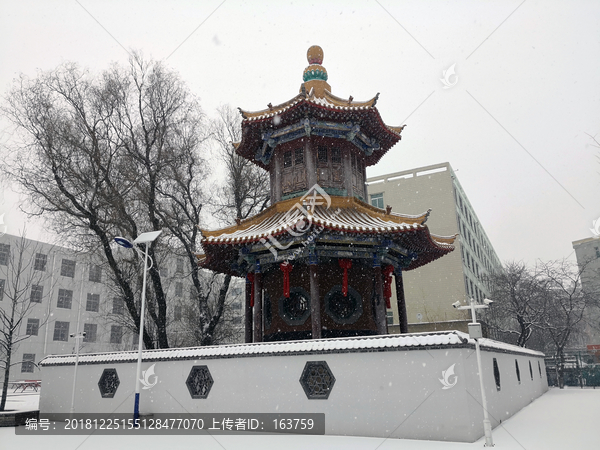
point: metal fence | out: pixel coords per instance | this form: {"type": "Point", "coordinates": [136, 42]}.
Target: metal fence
{"type": "Point", "coordinates": [581, 369]}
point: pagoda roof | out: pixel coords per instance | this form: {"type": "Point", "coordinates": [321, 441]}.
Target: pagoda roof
{"type": "Point", "coordinates": [327, 99]}
{"type": "Point", "coordinates": [344, 214]}
{"type": "Point", "coordinates": [316, 103]}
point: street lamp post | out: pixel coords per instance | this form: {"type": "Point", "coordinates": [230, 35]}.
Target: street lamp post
{"type": "Point", "coordinates": [78, 335]}
{"type": "Point", "coordinates": [475, 333]}
{"type": "Point", "coordinates": [144, 238]}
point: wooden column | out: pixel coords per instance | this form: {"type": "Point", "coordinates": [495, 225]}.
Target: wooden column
{"type": "Point", "coordinates": [346, 159]}
{"type": "Point", "coordinates": [277, 188]}
{"type": "Point", "coordinates": [315, 302]}
{"type": "Point", "coordinates": [378, 301]}
{"type": "Point", "coordinates": [248, 313]}
{"type": "Point", "coordinates": [311, 163]}
{"type": "Point", "coordinates": [403, 318]}
{"type": "Point", "coordinates": [258, 303]}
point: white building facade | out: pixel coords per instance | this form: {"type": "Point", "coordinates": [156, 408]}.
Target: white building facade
{"type": "Point", "coordinates": [430, 290]}
{"type": "Point", "coordinates": [587, 252]}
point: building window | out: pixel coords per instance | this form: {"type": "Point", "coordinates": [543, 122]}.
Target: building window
{"type": "Point", "coordinates": [65, 298]}
{"type": "Point", "coordinates": [95, 273]}
{"type": "Point", "coordinates": [390, 317]}
{"type": "Point", "coordinates": [353, 161]}
{"type": "Point", "coordinates": [2, 289]}
{"type": "Point", "coordinates": [496, 374]}
{"type": "Point", "coordinates": [179, 265]}
{"type": "Point", "coordinates": [28, 363]}
{"type": "Point", "coordinates": [336, 155]}
{"type": "Point", "coordinates": [178, 289]}
{"type": "Point", "coordinates": [116, 334]}
{"type": "Point", "coordinates": [40, 262]}
{"type": "Point", "coordinates": [118, 305]}
{"type": "Point", "coordinates": [540, 369]}
{"type": "Point", "coordinates": [377, 200]}
{"type": "Point", "coordinates": [67, 268]}
{"type": "Point", "coordinates": [530, 371]}
{"type": "Point", "coordinates": [295, 309]}
{"type": "Point", "coordinates": [287, 159]}
{"type": "Point", "coordinates": [37, 292]}
{"type": "Point", "coordinates": [33, 326]}
{"type": "Point", "coordinates": [322, 154]}
{"type": "Point", "coordinates": [177, 313]}
{"type": "Point", "coordinates": [4, 254]}
{"type": "Point", "coordinates": [299, 156]}
{"type": "Point", "coordinates": [93, 302]}
{"type": "Point", "coordinates": [90, 330]}
{"type": "Point", "coordinates": [518, 371]}
{"type": "Point", "coordinates": [343, 309]}
{"type": "Point", "coordinates": [61, 331]}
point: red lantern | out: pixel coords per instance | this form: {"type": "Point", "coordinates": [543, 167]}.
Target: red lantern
{"type": "Point", "coordinates": [345, 264]}
{"type": "Point", "coordinates": [387, 285]}
{"type": "Point", "coordinates": [286, 268]}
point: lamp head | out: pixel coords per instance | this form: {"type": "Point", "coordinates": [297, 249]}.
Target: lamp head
{"type": "Point", "coordinates": [487, 301]}
{"type": "Point", "coordinates": [456, 304]}
{"type": "Point", "coordinates": [123, 242]}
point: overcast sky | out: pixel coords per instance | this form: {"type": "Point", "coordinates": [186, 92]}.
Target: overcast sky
{"type": "Point", "coordinates": [514, 121]}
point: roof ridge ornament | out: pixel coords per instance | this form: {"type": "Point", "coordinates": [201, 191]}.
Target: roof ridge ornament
{"type": "Point", "coordinates": [314, 71]}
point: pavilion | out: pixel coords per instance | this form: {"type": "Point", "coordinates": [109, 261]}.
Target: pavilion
{"type": "Point", "coordinates": [319, 261]}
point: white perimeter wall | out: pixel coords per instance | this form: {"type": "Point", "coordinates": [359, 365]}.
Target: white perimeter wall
{"type": "Point", "coordinates": [394, 393]}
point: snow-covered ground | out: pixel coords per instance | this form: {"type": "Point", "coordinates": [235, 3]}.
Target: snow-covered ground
{"type": "Point", "coordinates": [560, 419]}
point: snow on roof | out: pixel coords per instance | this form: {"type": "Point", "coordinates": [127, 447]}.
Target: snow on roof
{"type": "Point", "coordinates": [339, 345]}
{"type": "Point", "coordinates": [342, 219]}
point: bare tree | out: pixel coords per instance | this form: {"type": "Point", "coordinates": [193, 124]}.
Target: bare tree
{"type": "Point", "coordinates": [115, 154]}
{"type": "Point", "coordinates": [568, 305]}
{"type": "Point", "coordinates": [15, 286]}
{"type": "Point", "coordinates": [519, 305]}
{"type": "Point", "coordinates": [245, 191]}
{"type": "Point", "coordinates": [219, 293]}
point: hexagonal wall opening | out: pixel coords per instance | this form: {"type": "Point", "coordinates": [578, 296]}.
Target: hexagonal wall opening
{"type": "Point", "coordinates": [108, 383]}
{"type": "Point", "coordinates": [317, 380]}
{"type": "Point", "coordinates": [199, 382]}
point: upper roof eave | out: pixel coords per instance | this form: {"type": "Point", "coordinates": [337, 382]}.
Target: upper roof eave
{"type": "Point", "coordinates": [331, 101]}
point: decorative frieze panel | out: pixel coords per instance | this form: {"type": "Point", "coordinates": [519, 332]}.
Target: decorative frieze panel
{"type": "Point", "coordinates": [317, 380]}
{"type": "Point", "coordinates": [108, 383]}
{"type": "Point", "coordinates": [199, 382]}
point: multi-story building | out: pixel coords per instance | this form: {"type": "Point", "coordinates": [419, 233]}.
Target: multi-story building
{"type": "Point", "coordinates": [587, 252]}
{"type": "Point", "coordinates": [430, 290]}
{"type": "Point", "coordinates": [60, 293]}
{"type": "Point", "coordinates": [56, 293]}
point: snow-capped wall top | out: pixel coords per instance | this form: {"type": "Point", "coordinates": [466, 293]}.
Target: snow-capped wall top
{"type": "Point", "coordinates": [392, 342]}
